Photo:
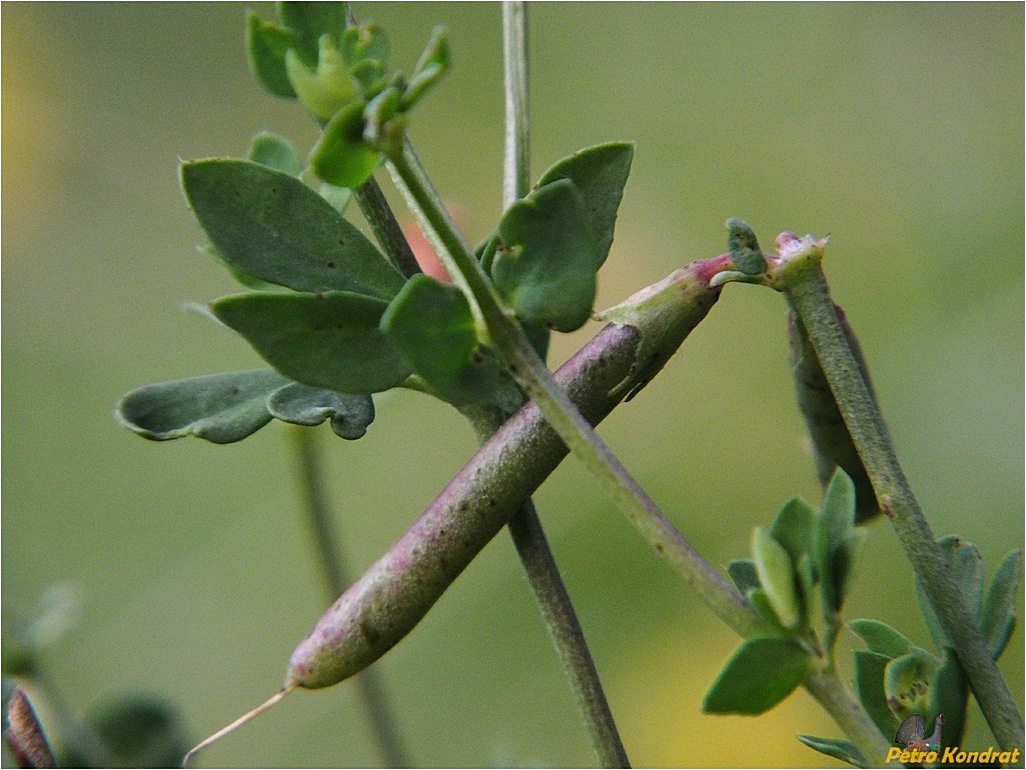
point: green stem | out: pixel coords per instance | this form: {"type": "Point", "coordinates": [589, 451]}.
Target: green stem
{"type": "Point", "coordinates": [807, 290]}
{"type": "Point", "coordinates": [369, 685]}
{"type": "Point", "coordinates": [525, 527]}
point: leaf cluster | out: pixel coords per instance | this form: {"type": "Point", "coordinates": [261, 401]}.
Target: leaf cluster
{"type": "Point", "coordinates": [802, 559]}
{"type": "Point", "coordinates": [332, 315]}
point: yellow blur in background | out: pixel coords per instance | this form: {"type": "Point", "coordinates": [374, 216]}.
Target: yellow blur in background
{"type": "Point", "coordinates": [895, 128]}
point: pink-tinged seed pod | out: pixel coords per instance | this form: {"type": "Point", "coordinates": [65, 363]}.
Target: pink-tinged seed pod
{"type": "Point", "coordinates": [393, 595]}
{"type": "Point", "coordinates": [831, 442]}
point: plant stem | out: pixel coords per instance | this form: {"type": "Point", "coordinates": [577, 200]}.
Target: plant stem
{"type": "Point", "coordinates": [516, 177]}
{"type": "Point", "coordinates": [807, 290]}
{"type": "Point", "coordinates": [525, 527]}
{"type": "Point", "coordinates": [369, 685]}
{"type": "Point", "coordinates": [382, 221]}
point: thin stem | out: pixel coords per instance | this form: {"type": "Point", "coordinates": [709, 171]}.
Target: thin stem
{"type": "Point", "coordinates": [371, 690]}
{"type": "Point", "coordinates": [516, 178]}
{"type": "Point", "coordinates": [382, 221]}
{"type": "Point", "coordinates": [808, 292]}
{"type": "Point", "coordinates": [525, 527]}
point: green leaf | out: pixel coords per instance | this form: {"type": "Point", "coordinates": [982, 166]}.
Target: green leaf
{"type": "Point", "coordinates": [432, 327]}
{"type": "Point", "coordinates": [834, 526]}
{"type": "Point", "coordinates": [846, 751]}
{"type": "Point", "coordinates": [276, 153]}
{"type": "Point", "coordinates": [881, 638]}
{"type": "Point", "coordinates": [997, 617]}
{"type": "Point", "coordinates": [342, 156]}
{"type": "Point", "coordinates": [221, 408]}
{"type": "Point", "coordinates": [744, 248]}
{"type": "Point", "coordinates": [762, 672]}
{"type": "Point", "coordinates": [545, 262]}
{"type": "Point", "coordinates": [744, 574]}
{"type": "Point", "coordinates": [433, 63]}
{"type": "Point", "coordinates": [328, 87]}
{"type": "Point", "coordinates": [338, 197]}
{"type": "Point", "coordinates": [776, 577]}
{"type": "Point", "coordinates": [869, 685]}
{"type": "Point", "coordinates": [600, 174]}
{"type": "Point", "coordinates": [366, 42]}
{"type": "Point", "coordinates": [270, 225]}
{"type": "Point", "coordinates": [966, 563]}
{"type": "Point", "coordinates": [968, 567]}
{"type": "Point", "coordinates": [266, 45]}
{"type": "Point", "coordinates": [350, 413]}
{"type": "Point", "coordinates": [907, 682]}
{"type": "Point", "coordinates": [330, 340]}
{"type": "Point", "coordinates": [949, 696]}
{"type": "Point", "coordinates": [309, 21]}
{"type": "Point", "coordinates": [794, 527]}
{"type": "Point", "coordinates": [760, 602]}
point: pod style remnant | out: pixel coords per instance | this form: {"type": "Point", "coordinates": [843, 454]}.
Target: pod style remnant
{"type": "Point", "coordinates": [832, 444]}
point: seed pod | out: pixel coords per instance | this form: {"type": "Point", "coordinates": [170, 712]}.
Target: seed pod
{"type": "Point", "coordinates": [832, 445]}
{"type": "Point", "coordinates": [398, 590]}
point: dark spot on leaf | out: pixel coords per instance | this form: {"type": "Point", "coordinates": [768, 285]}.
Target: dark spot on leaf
{"type": "Point", "coordinates": [331, 265]}
{"type": "Point", "coordinates": [318, 295]}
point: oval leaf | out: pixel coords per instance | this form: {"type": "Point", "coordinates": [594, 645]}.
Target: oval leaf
{"type": "Point", "coordinates": [221, 408]}
{"type": "Point", "coordinates": [272, 226]}
{"type": "Point", "coordinates": [276, 153]}
{"type": "Point", "coordinates": [342, 156]}
{"type": "Point", "coordinates": [266, 45]}
{"type": "Point", "coordinates": [330, 340]}
{"type": "Point", "coordinates": [833, 529]}
{"type": "Point", "coordinates": [776, 576]}
{"type": "Point", "coordinates": [432, 327]}
{"type": "Point", "coordinates": [762, 672]}
{"type": "Point", "coordinates": [743, 573]}
{"type": "Point", "coordinates": [997, 618]}
{"type": "Point", "coordinates": [881, 638]}
{"type": "Point", "coordinates": [794, 527]}
{"type": "Point", "coordinates": [869, 685]}
{"type": "Point", "coordinates": [846, 751]}
{"type": "Point", "coordinates": [600, 174]}
{"type": "Point", "coordinates": [545, 262]}
{"type": "Point", "coordinates": [350, 413]}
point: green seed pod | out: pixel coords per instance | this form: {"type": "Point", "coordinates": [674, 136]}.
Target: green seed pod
{"type": "Point", "coordinates": [831, 442]}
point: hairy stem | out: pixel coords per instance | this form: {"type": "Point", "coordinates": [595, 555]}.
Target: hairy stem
{"type": "Point", "coordinates": [371, 690]}
{"type": "Point", "coordinates": [807, 290]}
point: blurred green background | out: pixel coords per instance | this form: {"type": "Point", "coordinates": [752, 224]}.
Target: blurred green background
{"type": "Point", "coordinates": [898, 129]}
